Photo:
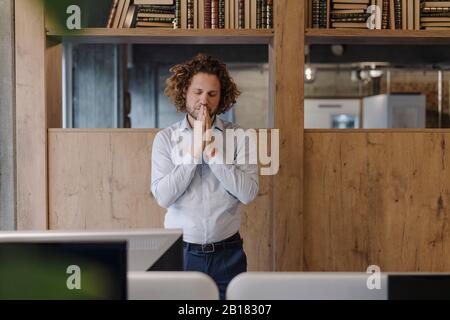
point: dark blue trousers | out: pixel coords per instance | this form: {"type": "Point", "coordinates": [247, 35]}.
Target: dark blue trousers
{"type": "Point", "coordinates": [221, 265]}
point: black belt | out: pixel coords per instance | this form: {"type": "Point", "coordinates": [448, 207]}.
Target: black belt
{"type": "Point", "coordinates": [234, 241]}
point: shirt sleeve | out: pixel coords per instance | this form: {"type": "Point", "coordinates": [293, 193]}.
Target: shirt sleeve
{"type": "Point", "coordinates": [168, 181]}
{"type": "Point", "coordinates": [241, 180]}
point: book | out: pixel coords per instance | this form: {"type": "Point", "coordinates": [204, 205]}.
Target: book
{"type": "Point", "coordinates": [351, 1]}
{"type": "Point", "coordinates": [264, 13]}
{"type": "Point", "coordinates": [349, 6]}
{"type": "Point", "coordinates": [436, 28]}
{"type": "Point", "coordinates": [410, 13]}
{"type": "Point", "coordinates": [227, 14]}
{"type": "Point", "coordinates": [435, 4]}
{"type": "Point", "coordinates": [404, 15]}
{"type": "Point", "coordinates": [435, 19]}
{"type": "Point", "coordinates": [416, 15]}
{"type": "Point", "coordinates": [207, 12]}
{"type": "Point", "coordinates": [221, 14]}
{"type": "Point", "coordinates": [384, 15]}
{"type": "Point", "coordinates": [241, 14]}
{"type": "Point", "coordinates": [118, 13]}
{"type": "Point", "coordinates": [214, 14]}
{"type": "Point", "coordinates": [201, 14]}
{"type": "Point", "coordinates": [153, 2]}
{"type": "Point", "coordinates": [155, 15]}
{"type": "Point", "coordinates": [253, 14]}
{"type": "Point", "coordinates": [247, 13]}
{"type": "Point", "coordinates": [195, 13]}
{"type": "Point", "coordinates": [131, 17]}
{"type": "Point", "coordinates": [190, 14]}
{"type": "Point", "coordinates": [436, 24]}
{"type": "Point", "coordinates": [112, 13]}
{"type": "Point", "coordinates": [232, 20]}
{"type": "Point", "coordinates": [154, 19]}
{"type": "Point", "coordinates": [178, 13]}
{"type": "Point", "coordinates": [391, 15]}
{"type": "Point", "coordinates": [398, 14]}
{"type": "Point", "coordinates": [348, 11]}
{"type": "Point", "coordinates": [356, 25]}
{"type": "Point", "coordinates": [154, 24]}
{"type": "Point", "coordinates": [184, 14]}
{"type": "Point", "coordinates": [315, 14]}
{"type": "Point", "coordinates": [124, 13]}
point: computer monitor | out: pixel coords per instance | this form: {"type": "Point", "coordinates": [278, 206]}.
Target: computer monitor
{"type": "Point", "coordinates": [148, 249]}
{"type": "Point", "coordinates": [419, 286]}
{"type": "Point", "coordinates": [63, 270]}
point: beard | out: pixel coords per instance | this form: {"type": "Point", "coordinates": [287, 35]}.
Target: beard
{"type": "Point", "coordinates": [191, 111]}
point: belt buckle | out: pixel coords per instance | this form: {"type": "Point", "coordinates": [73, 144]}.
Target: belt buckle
{"type": "Point", "coordinates": [206, 245]}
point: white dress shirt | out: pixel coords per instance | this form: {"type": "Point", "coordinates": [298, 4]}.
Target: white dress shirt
{"type": "Point", "coordinates": [202, 199]}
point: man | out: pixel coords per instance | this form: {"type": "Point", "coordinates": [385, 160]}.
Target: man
{"type": "Point", "coordinates": [202, 195]}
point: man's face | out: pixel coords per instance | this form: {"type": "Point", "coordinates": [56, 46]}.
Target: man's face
{"type": "Point", "coordinates": [203, 90]}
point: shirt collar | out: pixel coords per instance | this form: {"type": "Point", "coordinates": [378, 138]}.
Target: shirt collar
{"type": "Point", "coordinates": [184, 125]}
{"type": "Point", "coordinates": [217, 124]}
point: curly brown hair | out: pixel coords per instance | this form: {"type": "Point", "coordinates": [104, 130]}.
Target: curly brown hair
{"type": "Point", "coordinates": [178, 83]}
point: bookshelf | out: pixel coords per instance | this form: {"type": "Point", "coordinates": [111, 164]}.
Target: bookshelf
{"type": "Point", "coordinates": [361, 36]}
{"type": "Point", "coordinates": [165, 36]}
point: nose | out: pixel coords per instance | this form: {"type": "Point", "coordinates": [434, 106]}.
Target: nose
{"type": "Point", "coordinates": [204, 99]}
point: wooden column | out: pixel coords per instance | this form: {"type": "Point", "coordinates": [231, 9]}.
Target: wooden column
{"type": "Point", "coordinates": [288, 194]}
{"type": "Point", "coordinates": [31, 122]}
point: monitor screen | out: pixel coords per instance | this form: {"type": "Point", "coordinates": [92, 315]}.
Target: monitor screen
{"type": "Point", "coordinates": [148, 249]}
{"type": "Point", "coordinates": [71, 270]}
{"type": "Point", "coordinates": [419, 286]}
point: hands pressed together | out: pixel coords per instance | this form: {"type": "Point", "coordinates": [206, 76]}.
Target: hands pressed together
{"type": "Point", "coordinates": [207, 145]}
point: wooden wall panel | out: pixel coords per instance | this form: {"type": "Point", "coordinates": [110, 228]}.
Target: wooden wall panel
{"type": "Point", "coordinates": [288, 52]}
{"type": "Point", "coordinates": [257, 228]}
{"type": "Point", "coordinates": [374, 197]}
{"type": "Point", "coordinates": [31, 122]}
{"type": "Point", "coordinates": [100, 179]}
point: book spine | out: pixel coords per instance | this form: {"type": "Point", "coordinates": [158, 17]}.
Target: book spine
{"type": "Point", "coordinates": [221, 14]}
{"type": "Point", "coordinates": [269, 14]}
{"type": "Point", "coordinates": [190, 14]}
{"type": "Point", "coordinates": [435, 10]}
{"type": "Point", "coordinates": [241, 14]}
{"type": "Point", "coordinates": [208, 14]}
{"type": "Point", "coordinates": [214, 14]}
{"type": "Point", "coordinates": [156, 8]}
{"type": "Point", "coordinates": [385, 15]}
{"type": "Point", "coordinates": [112, 13]}
{"type": "Point", "coordinates": [178, 13]}
{"type": "Point", "coordinates": [154, 19]}
{"type": "Point", "coordinates": [258, 14]}
{"type": "Point", "coordinates": [316, 14]}
{"type": "Point", "coordinates": [355, 19]}
{"type": "Point", "coordinates": [435, 15]}
{"type": "Point", "coordinates": [323, 14]}
{"type": "Point", "coordinates": [398, 14]}
{"type": "Point", "coordinates": [264, 14]}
